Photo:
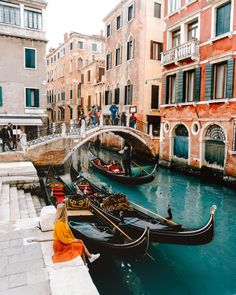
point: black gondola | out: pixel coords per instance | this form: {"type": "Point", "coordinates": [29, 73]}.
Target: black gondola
{"type": "Point", "coordinates": [117, 173]}
{"type": "Point", "coordinates": [89, 225]}
{"type": "Point", "coordinates": [135, 220]}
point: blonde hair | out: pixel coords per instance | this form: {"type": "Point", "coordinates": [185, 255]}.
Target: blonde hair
{"type": "Point", "coordinates": [61, 213]}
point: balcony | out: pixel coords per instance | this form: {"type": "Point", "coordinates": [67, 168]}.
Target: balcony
{"type": "Point", "coordinates": [181, 52]}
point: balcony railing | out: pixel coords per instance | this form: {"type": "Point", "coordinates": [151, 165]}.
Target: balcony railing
{"type": "Point", "coordinates": [181, 52]}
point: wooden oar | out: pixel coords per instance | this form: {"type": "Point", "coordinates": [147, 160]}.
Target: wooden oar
{"type": "Point", "coordinates": [117, 227]}
{"type": "Point", "coordinates": [141, 168]}
{"type": "Point", "coordinates": [159, 216]}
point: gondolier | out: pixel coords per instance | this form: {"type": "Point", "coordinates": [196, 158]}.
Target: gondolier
{"type": "Point", "coordinates": [126, 158]}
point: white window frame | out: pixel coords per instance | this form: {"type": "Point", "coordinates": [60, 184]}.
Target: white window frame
{"type": "Point", "coordinates": [120, 60]}
{"type": "Point", "coordinates": [36, 59]}
{"type": "Point", "coordinates": [131, 37]}
{"type": "Point", "coordinates": [96, 47]}
{"type": "Point", "coordinates": [82, 45]}
{"type": "Point", "coordinates": [32, 108]}
{"type": "Point", "coordinates": [39, 11]}
{"type": "Point", "coordinates": [213, 19]}
{"type": "Point", "coordinates": [131, 4]}
{"type": "Point", "coordinates": [121, 21]}
{"type": "Point", "coordinates": [179, 6]}
{"type": "Point", "coordinates": [109, 24]}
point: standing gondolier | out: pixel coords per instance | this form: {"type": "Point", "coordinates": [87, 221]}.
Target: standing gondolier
{"type": "Point", "coordinates": [126, 158]}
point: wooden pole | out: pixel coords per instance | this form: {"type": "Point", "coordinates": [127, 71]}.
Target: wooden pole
{"type": "Point", "coordinates": [117, 227]}
{"type": "Point", "coordinates": [142, 169]}
{"type": "Point", "coordinates": [159, 216]}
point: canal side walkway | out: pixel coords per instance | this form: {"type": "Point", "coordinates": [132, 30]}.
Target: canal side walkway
{"type": "Point", "coordinates": [26, 268]}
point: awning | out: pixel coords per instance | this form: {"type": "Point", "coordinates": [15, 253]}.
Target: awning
{"type": "Point", "coordinates": [21, 121]}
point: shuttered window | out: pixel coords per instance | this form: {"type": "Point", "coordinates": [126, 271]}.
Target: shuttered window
{"type": "Point", "coordinates": [117, 95]}
{"type": "Point", "coordinates": [128, 94]}
{"type": "Point", "coordinates": [171, 89]}
{"type": "Point", "coordinates": [0, 96]}
{"type": "Point", "coordinates": [32, 97]}
{"type": "Point", "coordinates": [155, 97]}
{"type": "Point", "coordinates": [189, 85]}
{"type": "Point", "coordinates": [156, 49]}
{"type": "Point", "coordinates": [209, 82]}
{"type": "Point", "coordinates": [219, 90]}
{"type": "Point", "coordinates": [180, 87]}
{"type": "Point", "coordinates": [109, 61]}
{"type": "Point", "coordinates": [30, 58]}
{"type": "Point", "coordinates": [230, 78]}
{"type": "Point", "coordinates": [223, 19]}
{"type": "Point", "coordinates": [197, 85]}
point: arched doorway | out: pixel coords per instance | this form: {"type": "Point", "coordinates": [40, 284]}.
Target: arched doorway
{"type": "Point", "coordinates": [215, 145]}
{"type": "Point", "coordinates": [181, 142]}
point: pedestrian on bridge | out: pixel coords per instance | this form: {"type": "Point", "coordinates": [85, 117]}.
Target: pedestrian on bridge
{"type": "Point", "coordinates": [113, 109]}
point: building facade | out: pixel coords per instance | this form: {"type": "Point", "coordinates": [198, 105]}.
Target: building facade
{"type": "Point", "coordinates": [23, 65]}
{"type": "Point", "coordinates": [199, 94]}
{"type": "Point", "coordinates": [133, 46]}
{"type": "Point", "coordinates": [64, 80]}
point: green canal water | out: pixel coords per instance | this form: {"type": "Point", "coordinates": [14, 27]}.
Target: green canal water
{"type": "Point", "coordinates": [177, 270]}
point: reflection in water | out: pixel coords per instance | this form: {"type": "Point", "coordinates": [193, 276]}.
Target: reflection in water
{"type": "Point", "coordinates": [178, 270]}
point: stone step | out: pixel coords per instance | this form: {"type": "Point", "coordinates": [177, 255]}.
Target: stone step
{"type": "Point", "coordinates": [22, 205]}
{"type": "Point", "coordinates": [30, 205]}
{"type": "Point", "coordinates": [5, 203]}
{"type": "Point", "coordinates": [14, 205]}
{"type": "Point", "coordinates": [37, 204]}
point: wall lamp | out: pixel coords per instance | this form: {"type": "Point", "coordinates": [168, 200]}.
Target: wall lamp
{"type": "Point", "coordinates": [154, 79]}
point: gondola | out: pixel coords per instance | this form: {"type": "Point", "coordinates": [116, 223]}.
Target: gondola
{"type": "Point", "coordinates": [134, 221]}
{"type": "Point", "coordinates": [88, 224]}
{"type": "Point", "coordinates": [117, 173]}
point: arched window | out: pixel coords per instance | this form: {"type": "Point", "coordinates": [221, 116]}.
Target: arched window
{"type": "Point", "coordinates": [215, 132]}
{"type": "Point", "coordinates": [80, 63]}
{"type": "Point", "coordinates": [117, 94]}
{"type": "Point", "coordinates": [108, 96]}
{"type": "Point", "coordinates": [130, 48]}
{"type": "Point", "coordinates": [108, 60]}
{"type": "Point", "coordinates": [128, 93]}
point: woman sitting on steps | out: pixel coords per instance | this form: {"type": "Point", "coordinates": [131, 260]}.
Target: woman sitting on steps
{"type": "Point", "coordinates": [65, 246]}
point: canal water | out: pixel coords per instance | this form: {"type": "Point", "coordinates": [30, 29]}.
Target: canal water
{"type": "Point", "coordinates": [177, 270]}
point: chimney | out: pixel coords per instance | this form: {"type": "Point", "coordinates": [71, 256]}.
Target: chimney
{"type": "Point", "coordinates": [65, 36]}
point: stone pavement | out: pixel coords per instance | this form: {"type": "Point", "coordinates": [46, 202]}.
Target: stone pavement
{"type": "Point", "coordinates": [22, 267]}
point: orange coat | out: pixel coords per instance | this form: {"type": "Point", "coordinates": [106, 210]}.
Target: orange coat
{"type": "Point", "coordinates": [65, 247]}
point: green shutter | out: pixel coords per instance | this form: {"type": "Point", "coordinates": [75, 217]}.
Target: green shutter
{"type": "Point", "coordinates": [126, 95]}
{"type": "Point", "coordinates": [166, 90]}
{"type": "Point", "coordinates": [180, 87]}
{"type": "Point", "coordinates": [30, 58]}
{"type": "Point", "coordinates": [209, 82]}
{"type": "Point", "coordinates": [197, 85]}
{"type": "Point", "coordinates": [230, 78]}
{"type": "Point", "coordinates": [36, 98]}
{"type": "Point", "coordinates": [0, 96]}
{"type": "Point", "coordinates": [223, 19]}
{"type": "Point", "coordinates": [28, 97]}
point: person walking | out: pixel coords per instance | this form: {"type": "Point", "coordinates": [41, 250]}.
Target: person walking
{"type": "Point", "coordinates": [123, 119]}
{"type": "Point", "coordinates": [65, 246]}
{"type": "Point", "coordinates": [113, 109]}
{"type": "Point", "coordinates": [6, 138]}
{"type": "Point", "coordinates": [126, 159]}
{"type": "Point", "coordinates": [133, 120]}
{"type": "Point", "coordinates": [94, 115]}
{"type": "Point", "coordinates": [11, 135]}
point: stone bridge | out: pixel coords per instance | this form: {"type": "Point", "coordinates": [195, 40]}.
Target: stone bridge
{"type": "Point", "coordinates": [58, 146]}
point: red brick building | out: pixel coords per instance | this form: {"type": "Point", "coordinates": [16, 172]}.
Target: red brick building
{"type": "Point", "coordinates": [199, 98]}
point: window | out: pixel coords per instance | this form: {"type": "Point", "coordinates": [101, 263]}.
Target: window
{"type": "Point", "coordinates": [82, 78]}
{"type": "Point", "coordinates": [130, 48]}
{"type": "Point", "coordinates": [219, 90]}
{"type": "Point", "coordinates": [54, 57]}
{"type": "Point", "coordinates": [128, 93]}
{"type": "Point", "coordinates": [118, 22]}
{"type": "Point", "coordinates": [71, 113]}
{"type": "Point", "coordinates": [80, 44]}
{"type": "Point", "coordinates": [58, 55]}
{"type": "Point", "coordinates": [223, 19]}
{"type": "Point", "coordinates": [157, 10]}
{"type": "Point", "coordinates": [33, 19]}
{"type": "Point", "coordinates": [156, 49]}
{"type": "Point", "coordinates": [108, 96]}
{"type": "Point", "coordinates": [0, 96]}
{"type": "Point", "coordinates": [173, 5]}
{"type": "Point", "coordinates": [101, 73]}
{"type": "Point", "coordinates": [71, 66]}
{"type": "Point", "coordinates": [130, 12]}
{"type": "Point", "coordinates": [10, 15]}
{"type": "Point", "coordinates": [193, 31]}
{"type": "Point", "coordinates": [155, 97]}
{"type": "Point", "coordinates": [175, 38]}
{"type": "Point", "coordinates": [30, 58]}
{"type": "Point", "coordinates": [89, 74]}
{"type": "Point", "coordinates": [109, 61]}
{"type": "Point", "coordinates": [118, 55]}
{"type": "Point", "coordinates": [117, 94]}
{"type": "Point", "coordinates": [171, 89]}
{"type": "Point", "coordinates": [79, 64]}
{"type": "Point", "coordinates": [189, 85]}
{"type": "Point", "coordinates": [71, 45]}
{"type": "Point", "coordinates": [94, 47]}
{"type": "Point", "coordinates": [108, 30]}
{"type": "Point", "coordinates": [71, 94]}
{"type": "Point", "coordinates": [63, 94]}
{"type": "Point", "coordinates": [32, 98]}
